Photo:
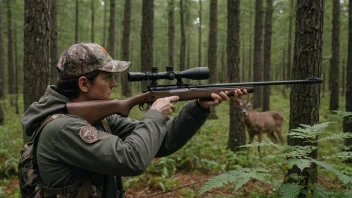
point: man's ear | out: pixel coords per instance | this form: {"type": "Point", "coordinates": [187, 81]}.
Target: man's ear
{"type": "Point", "coordinates": [83, 84]}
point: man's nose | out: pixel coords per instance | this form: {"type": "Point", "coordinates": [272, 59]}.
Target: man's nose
{"type": "Point", "coordinates": [113, 83]}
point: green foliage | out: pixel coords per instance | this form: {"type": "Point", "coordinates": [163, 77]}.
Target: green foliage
{"type": "Point", "coordinates": [289, 190]}
{"type": "Point", "coordinates": [240, 177]}
{"type": "Point", "coordinates": [295, 156]}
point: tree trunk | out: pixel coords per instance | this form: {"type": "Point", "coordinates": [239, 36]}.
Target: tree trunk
{"type": "Point", "coordinates": [347, 124]}
{"type": "Point", "coordinates": [112, 29]}
{"type": "Point", "coordinates": [258, 52]}
{"type": "Point", "coordinates": [305, 99]}
{"type": "Point", "coordinates": [237, 134]}
{"type": "Point", "coordinates": [289, 44]}
{"type": "Point", "coordinates": [171, 33]}
{"type": "Point", "coordinates": [36, 51]}
{"type": "Point", "coordinates": [77, 22]}
{"type": "Point", "coordinates": [2, 69]}
{"type": "Point", "coordinates": [126, 86]}
{"type": "Point", "coordinates": [147, 37]}
{"type": "Point", "coordinates": [10, 66]}
{"type": "Point", "coordinates": [250, 46]}
{"type": "Point", "coordinates": [104, 24]}
{"type": "Point", "coordinates": [183, 38]}
{"type": "Point", "coordinates": [54, 50]}
{"type": "Point", "coordinates": [335, 61]}
{"type": "Point", "coordinates": [2, 61]}
{"type": "Point", "coordinates": [267, 53]}
{"type": "Point", "coordinates": [212, 48]}
{"type": "Point", "coordinates": [92, 22]}
{"type": "Point", "coordinates": [343, 91]}
{"type": "Point", "coordinates": [17, 70]}
{"type": "Point", "coordinates": [200, 36]}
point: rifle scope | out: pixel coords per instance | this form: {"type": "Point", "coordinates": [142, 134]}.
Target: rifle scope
{"type": "Point", "coordinates": [197, 73]}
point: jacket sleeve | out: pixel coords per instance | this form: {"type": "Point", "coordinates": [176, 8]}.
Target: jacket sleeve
{"type": "Point", "coordinates": [109, 154]}
{"type": "Point", "coordinates": [182, 127]}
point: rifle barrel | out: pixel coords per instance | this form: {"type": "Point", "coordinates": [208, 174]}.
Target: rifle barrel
{"type": "Point", "coordinates": [244, 84]}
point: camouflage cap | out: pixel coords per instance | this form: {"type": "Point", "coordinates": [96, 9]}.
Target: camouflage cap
{"type": "Point", "coordinates": [83, 58]}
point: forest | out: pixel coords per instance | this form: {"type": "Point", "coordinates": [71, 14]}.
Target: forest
{"type": "Point", "coordinates": [239, 41]}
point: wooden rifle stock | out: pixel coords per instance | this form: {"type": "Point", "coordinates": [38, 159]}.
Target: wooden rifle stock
{"type": "Point", "coordinates": [96, 110]}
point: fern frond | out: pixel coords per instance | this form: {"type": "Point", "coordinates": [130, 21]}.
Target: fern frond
{"type": "Point", "coordinates": [262, 144]}
{"type": "Point", "coordinates": [345, 179]}
{"type": "Point", "coordinates": [297, 152]}
{"type": "Point", "coordinates": [318, 192]}
{"type": "Point", "coordinates": [342, 155]}
{"type": "Point", "coordinates": [221, 180]}
{"type": "Point", "coordinates": [240, 177]}
{"type": "Point", "coordinates": [300, 163]}
{"type": "Point", "coordinates": [290, 190]}
{"type": "Point", "coordinates": [339, 136]}
{"type": "Point", "coordinates": [343, 113]}
{"type": "Point", "coordinates": [307, 131]}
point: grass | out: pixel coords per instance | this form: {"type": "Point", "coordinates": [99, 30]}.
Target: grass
{"type": "Point", "coordinates": [205, 153]}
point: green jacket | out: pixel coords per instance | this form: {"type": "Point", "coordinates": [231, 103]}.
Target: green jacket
{"type": "Point", "coordinates": [63, 157]}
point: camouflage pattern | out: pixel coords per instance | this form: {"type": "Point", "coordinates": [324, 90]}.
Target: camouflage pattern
{"type": "Point", "coordinates": [82, 58]}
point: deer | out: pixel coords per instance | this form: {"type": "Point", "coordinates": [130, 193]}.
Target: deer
{"type": "Point", "coordinates": [258, 123]}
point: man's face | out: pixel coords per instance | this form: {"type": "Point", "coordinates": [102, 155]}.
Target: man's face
{"type": "Point", "coordinates": [101, 87]}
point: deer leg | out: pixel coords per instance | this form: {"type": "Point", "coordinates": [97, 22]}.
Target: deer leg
{"type": "Point", "coordinates": [278, 131]}
{"type": "Point", "coordinates": [272, 137]}
{"type": "Point", "coordinates": [260, 139]}
{"type": "Point", "coordinates": [251, 138]}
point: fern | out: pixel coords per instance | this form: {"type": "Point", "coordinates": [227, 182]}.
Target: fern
{"type": "Point", "coordinates": [262, 144]}
{"type": "Point", "coordinates": [307, 131]}
{"type": "Point", "coordinates": [343, 113]}
{"type": "Point", "coordinates": [297, 152]}
{"type": "Point", "coordinates": [241, 177]}
{"type": "Point", "coordinates": [300, 163]}
{"type": "Point", "coordinates": [345, 179]}
{"type": "Point", "coordinates": [339, 136]}
{"type": "Point", "coordinates": [318, 192]}
{"type": "Point", "coordinates": [290, 190]}
{"type": "Point", "coordinates": [342, 155]}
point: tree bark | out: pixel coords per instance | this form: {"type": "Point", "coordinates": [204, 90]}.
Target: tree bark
{"type": "Point", "coordinates": [212, 48]}
{"type": "Point", "coordinates": [17, 71]}
{"type": "Point", "coordinates": [77, 22]}
{"type": "Point", "coordinates": [54, 50]}
{"type": "Point", "coordinates": [335, 61]}
{"type": "Point", "coordinates": [237, 134]}
{"type": "Point", "coordinates": [258, 52]}
{"type": "Point", "coordinates": [92, 22]}
{"type": "Point", "coordinates": [347, 124]}
{"type": "Point", "coordinates": [267, 53]}
{"type": "Point", "coordinates": [126, 86]}
{"type": "Point", "coordinates": [104, 24]}
{"type": "Point", "coordinates": [147, 37]}
{"type": "Point", "coordinates": [200, 36]}
{"type": "Point", "coordinates": [171, 33]}
{"type": "Point", "coordinates": [2, 61]}
{"type": "Point", "coordinates": [2, 69]}
{"type": "Point", "coordinates": [289, 44]}
{"type": "Point", "coordinates": [183, 38]}
{"type": "Point", "coordinates": [10, 66]}
{"type": "Point", "coordinates": [112, 29]}
{"type": "Point", "coordinates": [36, 51]}
{"type": "Point", "coordinates": [305, 99]}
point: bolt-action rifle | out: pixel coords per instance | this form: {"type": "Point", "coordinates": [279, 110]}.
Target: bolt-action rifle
{"type": "Point", "coordinates": [95, 111]}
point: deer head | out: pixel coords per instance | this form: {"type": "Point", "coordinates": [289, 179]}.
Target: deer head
{"type": "Point", "coordinates": [245, 105]}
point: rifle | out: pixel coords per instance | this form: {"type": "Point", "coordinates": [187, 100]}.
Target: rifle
{"type": "Point", "coordinates": [89, 109]}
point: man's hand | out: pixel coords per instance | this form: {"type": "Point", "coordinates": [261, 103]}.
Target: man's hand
{"type": "Point", "coordinates": [217, 99]}
{"type": "Point", "coordinates": [165, 106]}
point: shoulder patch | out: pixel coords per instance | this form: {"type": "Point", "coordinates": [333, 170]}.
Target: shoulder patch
{"type": "Point", "coordinates": [89, 134]}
